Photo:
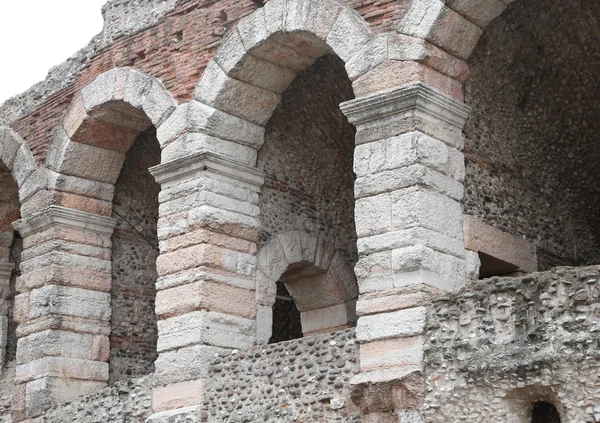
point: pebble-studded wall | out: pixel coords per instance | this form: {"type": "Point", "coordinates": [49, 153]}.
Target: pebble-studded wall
{"type": "Point", "coordinates": [532, 146]}
{"type": "Point", "coordinates": [303, 380]}
{"type": "Point", "coordinates": [135, 248]}
{"type": "Point", "coordinates": [502, 344]}
{"type": "Point", "coordinates": [307, 157]}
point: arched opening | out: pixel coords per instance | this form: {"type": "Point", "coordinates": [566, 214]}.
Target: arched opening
{"type": "Point", "coordinates": [544, 412]}
{"type": "Point", "coordinates": [11, 247]}
{"type": "Point", "coordinates": [307, 158]}
{"type": "Point", "coordinates": [134, 251]}
{"type": "Point", "coordinates": [531, 141]}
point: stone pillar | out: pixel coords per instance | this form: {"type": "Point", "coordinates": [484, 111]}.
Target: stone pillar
{"type": "Point", "coordinates": [410, 168]}
{"type": "Point", "coordinates": [6, 270]}
{"type": "Point", "coordinates": [208, 228]}
{"type": "Point", "coordinates": [63, 308]}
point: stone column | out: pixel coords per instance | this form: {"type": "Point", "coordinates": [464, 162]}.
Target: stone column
{"type": "Point", "coordinates": [6, 270]}
{"type": "Point", "coordinates": [208, 228]}
{"type": "Point", "coordinates": [63, 308]}
{"type": "Point", "coordinates": [410, 168]}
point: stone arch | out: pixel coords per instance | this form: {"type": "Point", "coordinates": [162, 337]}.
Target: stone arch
{"type": "Point", "coordinates": [242, 85]}
{"type": "Point", "coordinates": [317, 277]}
{"type": "Point", "coordinates": [104, 120]}
{"type": "Point", "coordinates": [104, 147]}
{"type": "Point", "coordinates": [454, 26]}
{"type": "Point", "coordinates": [17, 170]}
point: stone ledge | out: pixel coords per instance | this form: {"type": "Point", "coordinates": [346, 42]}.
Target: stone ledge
{"type": "Point", "coordinates": [62, 216]}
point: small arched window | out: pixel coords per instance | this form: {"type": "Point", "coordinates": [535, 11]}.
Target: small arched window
{"type": "Point", "coordinates": [544, 412]}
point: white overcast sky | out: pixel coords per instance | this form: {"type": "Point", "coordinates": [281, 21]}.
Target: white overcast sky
{"type": "Point", "coordinates": [38, 34]}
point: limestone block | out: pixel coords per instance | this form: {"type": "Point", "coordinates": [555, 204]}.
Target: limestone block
{"type": "Point", "coordinates": [266, 289]}
{"type": "Point", "coordinates": [203, 295]}
{"type": "Point", "coordinates": [75, 115]}
{"type": "Point", "coordinates": [324, 253]}
{"type": "Point", "coordinates": [411, 236]}
{"type": "Point", "coordinates": [272, 261]}
{"type": "Point", "coordinates": [62, 367]}
{"type": "Point", "coordinates": [62, 344]}
{"type": "Point", "coordinates": [442, 26]}
{"type": "Point", "coordinates": [133, 89]}
{"type": "Point", "coordinates": [291, 246]}
{"type": "Point", "coordinates": [405, 177]}
{"type": "Point", "coordinates": [198, 117]}
{"type": "Point", "coordinates": [64, 300]}
{"type": "Point", "coordinates": [190, 363]}
{"type": "Point", "coordinates": [68, 324]}
{"type": "Point", "coordinates": [10, 143]}
{"type": "Point", "coordinates": [209, 198]}
{"type": "Point", "coordinates": [393, 299]}
{"type": "Point", "coordinates": [60, 245]}
{"type": "Point", "coordinates": [178, 395]}
{"type": "Point", "coordinates": [158, 103]}
{"type": "Point", "coordinates": [19, 402]}
{"type": "Point", "coordinates": [400, 151]}
{"type": "Point", "coordinates": [349, 34]}
{"type": "Point", "coordinates": [189, 413]}
{"type": "Point", "coordinates": [480, 12]}
{"type": "Point", "coordinates": [324, 318]}
{"type": "Point", "coordinates": [21, 308]}
{"type": "Point", "coordinates": [321, 18]}
{"type": "Point", "coordinates": [391, 353]}
{"type": "Point", "coordinates": [235, 97]}
{"type": "Point", "coordinates": [205, 273]}
{"type": "Point", "coordinates": [24, 165]}
{"type": "Point", "coordinates": [64, 183]}
{"type": "Point", "coordinates": [189, 144]}
{"type": "Point", "coordinates": [206, 255]}
{"type": "Point", "coordinates": [101, 90]}
{"type": "Point", "coordinates": [373, 215]}
{"type": "Point", "coordinates": [264, 324]}
{"type": "Point", "coordinates": [481, 237]}
{"type": "Point", "coordinates": [46, 392]}
{"type": "Point", "coordinates": [421, 265]}
{"type": "Point", "coordinates": [202, 327]}
{"type": "Point", "coordinates": [472, 265]}
{"type": "Point", "coordinates": [34, 183]}
{"type": "Point", "coordinates": [374, 272]}
{"type": "Point", "coordinates": [173, 225]}
{"type": "Point", "coordinates": [105, 135]}
{"type": "Point", "coordinates": [204, 236]}
{"type": "Point", "coordinates": [237, 63]}
{"type": "Point", "coordinates": [396, 324]}
{"type": "Point", "coordinates": [414, 207]}
{"type": "Point", "coordinates": [84, 161]}
{"type": "Point", "coordinates": [393, 73]}
{"type": "Point", "coordinates": [66, 259]}
{"type": "Point", "coordinates": [231, 223]}
{"type": "Point", "coordinates": [46, 198]}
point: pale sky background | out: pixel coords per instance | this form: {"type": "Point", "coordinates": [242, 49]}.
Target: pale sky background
{"type": "Point", "coordinates": [38, 34]}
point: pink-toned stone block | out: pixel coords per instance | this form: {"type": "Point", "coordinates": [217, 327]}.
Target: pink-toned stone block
{"type": "Point", "coordinates": [178, 395]}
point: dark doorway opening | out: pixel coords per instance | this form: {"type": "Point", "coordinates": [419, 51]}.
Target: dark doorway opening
{"type": "Point", "coordinates": [286, 317]}
{"type": "Point", "coordinates": [544, 412]}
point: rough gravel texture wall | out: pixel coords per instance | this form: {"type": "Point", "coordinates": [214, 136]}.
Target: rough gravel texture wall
{"type": "Point", "coordinates": [135, 248]}
{"type": "Point", "coordinates": [125, 402]}
{"type": "Point", "coordinates": [307, 157]}
{"type": "Point", "coordinates": [532, 146]}
{"type": "Point", "coordinates": [504, 343]}
{"type": "Point", "coordinates": [303, 380]}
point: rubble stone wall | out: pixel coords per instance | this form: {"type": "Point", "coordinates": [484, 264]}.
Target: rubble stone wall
{"type": "Point", "coordinates": [304, 379]}
{"type": "Point", "coordinates": [502, 344]}
{"type": "Point", "coordinates": [135, 248]}
{"type": "Point", "coordinates": [307, 157]}
{"type": "Point", "coordinates": [531, 146]}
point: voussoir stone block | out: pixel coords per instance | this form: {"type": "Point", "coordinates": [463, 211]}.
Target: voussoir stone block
{"type": "Point", "coordinates": [235, 97]}
{"type": "Point", "coordinates": [434, 21]}
{"type": "Point", "coordinates": [480, 12]}
{"type": "Point", "coordinates": [236, 62]}
{"type": "Point", "coordinates": [10, 143]}
{"type": "Point", "coordinates": [198, 117]}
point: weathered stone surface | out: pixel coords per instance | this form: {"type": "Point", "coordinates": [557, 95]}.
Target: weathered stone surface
{"type": "Point", "coordinates": [62, 367]}
{"type": "Point", "coordinates": [53, 299]}
{"type": "Point", "coordinates": [401, 323]}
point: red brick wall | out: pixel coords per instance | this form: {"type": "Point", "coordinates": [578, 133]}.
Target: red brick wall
{"type": "Point", "coordinates": [176, 50]}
